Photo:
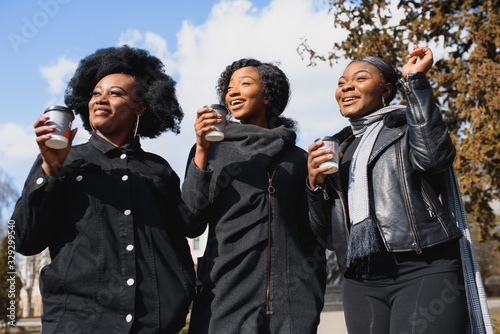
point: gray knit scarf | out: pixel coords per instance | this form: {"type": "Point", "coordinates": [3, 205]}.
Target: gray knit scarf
{"type": "Point", "coordinates": [479, 317]}
{"type": "Point", "coordinates": [364, 236]}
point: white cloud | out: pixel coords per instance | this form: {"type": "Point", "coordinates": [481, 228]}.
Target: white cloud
{"type": "Point", "coordinates": [152, 42]}
{"type": "Point", "coordinates": [18, 150]}
{"type": "Point", "coordinates": [18, 142]}
{"type": "Point", "coordinates": [58, 74]}
{"type": "Point", "coordinates": [130, 37]}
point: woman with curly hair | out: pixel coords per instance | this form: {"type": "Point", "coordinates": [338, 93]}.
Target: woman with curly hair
{"type": "Point", "coordinates": [107, 210]}
{"type": "Point", "coordinates": [262, 271]}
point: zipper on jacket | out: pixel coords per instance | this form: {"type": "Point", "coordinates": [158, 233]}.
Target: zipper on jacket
{"type": "Point", "coordinates": [270, 191]}
{"type": "Point", "coordinates": [431, 211]}
{"type": "Point", "coordinates": [428, 205]}
{"type": "Point", "coordinates": [413, 105]}
{"type": "Point", "coordinates": [325, 193]}
{"type": "Point", "coordinates": [415, 245]}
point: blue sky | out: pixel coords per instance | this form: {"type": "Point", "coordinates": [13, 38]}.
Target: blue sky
{"type": "Point", "coordinates": [42, 42]}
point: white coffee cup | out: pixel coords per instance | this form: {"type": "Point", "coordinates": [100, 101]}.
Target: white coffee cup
{"type": "Point", "coordinates": [62, 117]}
{"type": "Point", "coordinates": [218, 133]}
{"type": "Point", "coordinates": [333, 144]}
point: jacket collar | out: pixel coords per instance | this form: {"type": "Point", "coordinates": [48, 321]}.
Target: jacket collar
{"type": "Point", "coordinates": [386, 137]}
{"type": "Point", "coordinates": [239, 132]}
{"type": "Point", "coordinates": [109, 149]}
{"type": "Point", "coordinates": [391, 132]}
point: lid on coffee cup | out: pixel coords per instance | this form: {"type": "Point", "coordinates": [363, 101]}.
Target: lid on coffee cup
{"type": "Point", "coordinates": [327, 138]}
{"type": "Point", "coordinates": [60, 108]}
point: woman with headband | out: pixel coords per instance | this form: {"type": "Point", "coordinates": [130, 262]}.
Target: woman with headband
{"type": "Point", "coordinates": [381, 213]}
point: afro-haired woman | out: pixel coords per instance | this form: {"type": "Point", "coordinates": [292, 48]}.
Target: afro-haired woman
{"type": "Point", "coordinates": [262, 271]}
{"type": "Point", "coordinates": [106, 209]}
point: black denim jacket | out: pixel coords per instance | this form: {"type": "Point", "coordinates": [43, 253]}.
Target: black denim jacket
{"type": "Point", "coordinates": [120, 259]}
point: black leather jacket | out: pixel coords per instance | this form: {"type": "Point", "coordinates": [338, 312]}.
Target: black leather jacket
{"type": "Point", "coordinates": [409, 155]}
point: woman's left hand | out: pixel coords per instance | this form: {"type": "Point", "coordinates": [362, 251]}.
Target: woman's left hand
{"type": "Point", "coordinates": [419, 60]}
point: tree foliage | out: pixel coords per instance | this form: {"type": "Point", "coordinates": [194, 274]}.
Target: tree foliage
{"type": "Point", "coordinates": [466, 79]}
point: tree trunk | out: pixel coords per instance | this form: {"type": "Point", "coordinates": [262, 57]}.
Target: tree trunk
{"type": "Point", "coordinates": [29, 292]}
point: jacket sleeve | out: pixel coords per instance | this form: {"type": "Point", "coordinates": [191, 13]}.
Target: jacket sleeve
{"type": "Point", "coordinates": [196, 203]}
{"type": "Point", "coordinates": [320, 215]}
{"type": "Point", "coordinates": [36, 211]}
{"type": "Point", "coordinates": [328, 217]}
{"type": "Point", "coordinates": [431, 149]}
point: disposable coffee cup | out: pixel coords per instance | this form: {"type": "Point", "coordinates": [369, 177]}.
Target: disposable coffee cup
{"type": "Point", "coordinates": [217, 134]}
{"type": "Point", "coordinates": [333, 144]}
{"type": "Point", "coordinates": [62, 117]}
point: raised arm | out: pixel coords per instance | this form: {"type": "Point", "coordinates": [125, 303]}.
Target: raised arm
{"type": "Point", "coordinates": [430, 143]}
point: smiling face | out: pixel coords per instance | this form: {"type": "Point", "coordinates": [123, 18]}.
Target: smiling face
{"type": "Point", "coordinates": [246, 98]}
{"type": "Point", "coordinates": [113, 108]}
{"type": "Point", "coordinates": [360, 90]}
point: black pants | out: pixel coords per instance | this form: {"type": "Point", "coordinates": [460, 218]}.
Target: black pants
{"type": "Point", "coordinates": [431, 304]}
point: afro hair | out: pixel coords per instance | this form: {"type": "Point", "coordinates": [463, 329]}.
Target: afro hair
{"type": "Point", "coordinates": [154, 87]}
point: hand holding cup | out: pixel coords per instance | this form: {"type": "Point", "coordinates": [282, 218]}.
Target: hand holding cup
{"type": "Point", "coordinates": [62, 118]}
{"type": "Point", "coordinates": [217, 134]}
{"type": "Point", "coordinates": [323, 159]}
{"type": "Point", "coordinates": [207, 120]}
{"type": "Point", "coordinates": [333, 144]}
{"type": "Point", "coordinates": [46, 131]}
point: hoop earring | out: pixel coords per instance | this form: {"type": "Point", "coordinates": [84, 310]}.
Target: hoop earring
{"type": "Point", "coordinates": [383, 101]}
{"type": "Point", "coordinates": [136, 126]}
{"type": "Point", "coordinates": [92, 126]}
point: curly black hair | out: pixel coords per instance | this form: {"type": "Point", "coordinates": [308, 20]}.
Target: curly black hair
{"type": "Point", "coordinates": [276, 87]}
{"type": "Point", "coordinates": [154, 87]}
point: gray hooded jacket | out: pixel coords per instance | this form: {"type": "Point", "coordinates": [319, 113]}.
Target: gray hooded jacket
{"type": "Point", "coordinates": [262, 269]}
